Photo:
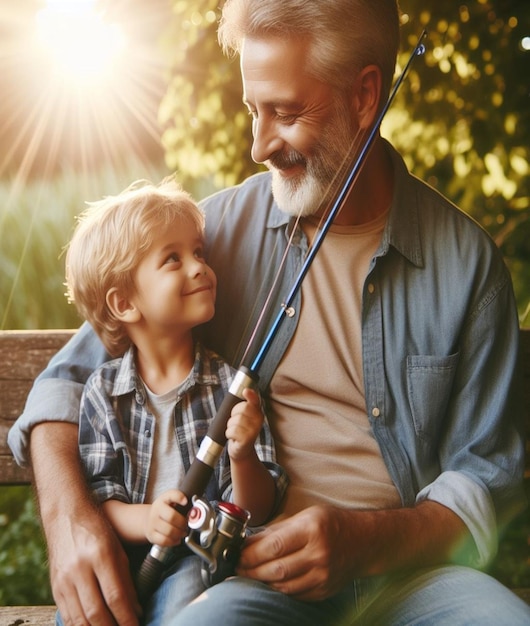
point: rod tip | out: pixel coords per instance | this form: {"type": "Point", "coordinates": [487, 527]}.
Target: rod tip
{"type": "Point", "coordinates": [420, 48]}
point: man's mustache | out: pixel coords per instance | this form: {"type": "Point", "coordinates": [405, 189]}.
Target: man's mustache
{"type": "Point", "coordinates": [285, 160]}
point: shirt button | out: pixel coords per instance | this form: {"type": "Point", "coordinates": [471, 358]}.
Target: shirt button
{"type": "Point", "coordinates": [147, 433]}
{"type": "Point", "coordinates": [376, 412]}
{"type": "Point", "coordinates": [371, 288]}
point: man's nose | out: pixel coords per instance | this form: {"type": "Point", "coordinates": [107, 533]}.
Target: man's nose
{"type": "Point", "coordinates": [266, 141]}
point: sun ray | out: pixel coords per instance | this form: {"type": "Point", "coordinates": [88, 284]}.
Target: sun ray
{"type": "Point", "coordinates": [122, 88]}
{"type": "Point", "coordinates": [74, 110]}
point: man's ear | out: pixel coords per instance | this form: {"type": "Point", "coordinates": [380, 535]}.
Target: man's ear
{"type": "Point", "coordinates": [366, 95]}
{"type": "Point", "coordinates": [122, 308]}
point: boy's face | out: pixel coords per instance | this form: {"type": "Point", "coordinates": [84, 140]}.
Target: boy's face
{"type": "Point", "coordinates": [175, 288]}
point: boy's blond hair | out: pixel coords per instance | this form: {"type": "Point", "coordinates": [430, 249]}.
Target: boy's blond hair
{"type": "Point", "coordinates": [110, 240]}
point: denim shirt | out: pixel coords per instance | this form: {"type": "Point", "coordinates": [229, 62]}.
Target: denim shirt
{"type": "Point", "coordinates": [439, 338]}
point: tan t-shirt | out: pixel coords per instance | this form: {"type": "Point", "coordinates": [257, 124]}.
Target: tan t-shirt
{"type": "Point", "coordinates": [319, 421]}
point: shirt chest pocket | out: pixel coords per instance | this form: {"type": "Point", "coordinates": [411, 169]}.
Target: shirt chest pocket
{"type": "Point", "coordinates": [429, 384]}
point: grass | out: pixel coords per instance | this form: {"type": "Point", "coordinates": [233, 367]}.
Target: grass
{"type": "Point", "coordinates": [36, 221]}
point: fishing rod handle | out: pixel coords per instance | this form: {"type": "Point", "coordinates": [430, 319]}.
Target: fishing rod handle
{"type": "Point", "coordinates": [151, 571]}
{"type": "Point", "coordinates": [196, 479]}
{"type": "Point", "coordinates": [212, 446]}
{"type": "Point", "coordinates": [243, 379]}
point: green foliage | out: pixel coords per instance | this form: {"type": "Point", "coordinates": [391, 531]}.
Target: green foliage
{"type": "Point", "coordinates": [36, 221]}
{"type": "Point", "coordinates": [461, 119]}
{"type": "Point", "coordinates": [207, 133]}
{"type": "Point", "coordinates": [23, 568]}
{"type": "Point", "coordinates": [512, 563]}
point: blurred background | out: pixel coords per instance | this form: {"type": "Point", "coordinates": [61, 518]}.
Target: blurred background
{"type": "Point", "coordinates": [96, 94]}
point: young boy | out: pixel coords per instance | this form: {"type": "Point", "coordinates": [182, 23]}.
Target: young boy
{"type": "Point", "coordinates": [136, 271]}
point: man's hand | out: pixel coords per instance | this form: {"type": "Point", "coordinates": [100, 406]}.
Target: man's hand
{"type": "Point", "coordinates": [315, 553]}
{"type": "Point", "coordinates": [299, 556]}
{"type": "Point", "coordinates": [89, 571]}
{"type": "Point", "coordinates": [90, 575]}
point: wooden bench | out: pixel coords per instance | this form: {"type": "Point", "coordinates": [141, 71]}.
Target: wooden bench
{"type": "Point", "coordinates": [23, 354]}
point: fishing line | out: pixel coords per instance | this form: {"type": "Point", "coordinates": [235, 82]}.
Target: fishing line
{"type": "Point", "coordinates": [277, 275]}
{"type": "Point", "coordinates": [333, 184]}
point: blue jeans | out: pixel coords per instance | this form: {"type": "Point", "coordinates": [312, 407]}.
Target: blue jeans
{"type": "Point", "coordinates": [182, 584]}
{"type": "Point", "coordinates": [443, 596]}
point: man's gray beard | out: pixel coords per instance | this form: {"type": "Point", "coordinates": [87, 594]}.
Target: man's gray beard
{"type": "Point", "coordinates": [304, 194]}
{"type": "Point", "coordinates": [299, 197]}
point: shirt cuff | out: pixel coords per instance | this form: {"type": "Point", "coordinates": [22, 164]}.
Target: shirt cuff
{"type": "Point", "coordinates": [473, 504]}
{"type": "Point", "coordinates": [50, 400]}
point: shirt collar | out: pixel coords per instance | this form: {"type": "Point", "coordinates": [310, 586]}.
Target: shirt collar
{"type": "Point", "coordinates": [402, 228]}
{"type": "Point", "coordinates": [128, 381]}
{"type": "Point", "coordinates": [277, 217]}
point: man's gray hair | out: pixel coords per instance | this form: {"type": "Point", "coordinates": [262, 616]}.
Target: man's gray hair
{"type": "Point", "coordinates": [346, 35]}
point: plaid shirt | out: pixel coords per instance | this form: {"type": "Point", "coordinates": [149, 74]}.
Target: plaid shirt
{"type": "Point", "coordinates": [116, 428]}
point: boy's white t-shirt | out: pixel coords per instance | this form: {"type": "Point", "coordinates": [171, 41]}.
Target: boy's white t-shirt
{"type": "Point", "coordinates": [167, 469]}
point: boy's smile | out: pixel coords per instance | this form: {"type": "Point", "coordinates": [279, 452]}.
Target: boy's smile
{"type": "Point", "coordinates": [174, 285]}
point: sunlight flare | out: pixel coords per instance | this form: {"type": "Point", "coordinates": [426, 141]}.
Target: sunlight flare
{"type": "Point", "coordinates": [80, 43]}
{"type": "Point", "coordinates": [85, 82]}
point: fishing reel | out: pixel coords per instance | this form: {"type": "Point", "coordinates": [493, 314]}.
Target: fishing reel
{"type": "Point", "coordinates": [216, 536]}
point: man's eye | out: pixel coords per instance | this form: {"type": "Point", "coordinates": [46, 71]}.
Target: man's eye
{"type": "Point", "coordinates": [286, 118]}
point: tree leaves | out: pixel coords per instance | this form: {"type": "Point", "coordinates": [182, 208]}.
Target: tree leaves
{"type": "Point", "coordinates": [461, 119]}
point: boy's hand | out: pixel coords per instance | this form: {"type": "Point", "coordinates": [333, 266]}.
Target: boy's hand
{"type": "Point", "coordinates": [243, 427]}
{"type": "Point", "coordinates": [165, 525]}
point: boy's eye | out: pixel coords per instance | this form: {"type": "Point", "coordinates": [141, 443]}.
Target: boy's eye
{"type": "Point", "coordinates": [173, 258]}
{"type": "Point", "coordinates": [199, 253]}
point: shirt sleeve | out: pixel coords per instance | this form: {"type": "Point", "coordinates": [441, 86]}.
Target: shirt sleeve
{"type": "Point", "coordinates": [97, 446]}
{"type": "Point", "coordinates": [482, 452]}
{"type": "Point", "coordinates": [56, 393]}
{"type": "Point", "coordinates": [473, 504]}
{"type": "Point", "coordinates": [50, 400]}
{"type": "Point", "coordinates": [266, 452]}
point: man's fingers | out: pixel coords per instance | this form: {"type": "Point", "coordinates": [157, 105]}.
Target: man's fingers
{"type": "Point", "coordinates": [69, 607]}
{"type": "Point", "coordinates": [82, 604]}
{"type": "Point", "coordinates": [120, 594]}
{"type": "Point", "coordinates": [292, 556]}
{"type": "Point", "coordinates": [261, 550]}
{"type": "Point", "coordinates": [307, 586]}
{"type": "Point", "coordinates": [102, 595]}
{"type": "Point", "coordinates": [92, 604]}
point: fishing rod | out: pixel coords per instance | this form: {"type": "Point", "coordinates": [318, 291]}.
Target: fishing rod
{"type": "Point", "coordinates": [212, 446]}
{"type": "Point", "coordinates": [337, 205]}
